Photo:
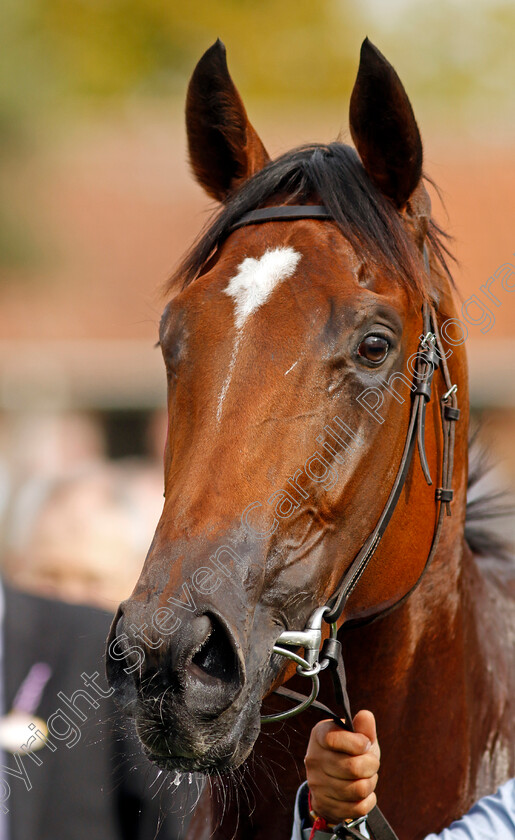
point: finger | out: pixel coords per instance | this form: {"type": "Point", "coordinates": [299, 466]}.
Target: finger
{"type": "Point", "coordinates": [361, 809]}
{"type": "Point", "coordinates": [365, 723]}
{"type": "Point", "coordinates": [329, 736]}
{"type": "Point", "coordinates": [342, 791]}
{"type": "Point", "coordinates": [335, 811]}
{"type": "Point", "coordinates": [332, 765]}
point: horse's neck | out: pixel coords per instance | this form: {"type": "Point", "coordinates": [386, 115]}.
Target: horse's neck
{"type": "Point", "coordinates": [429, 671]}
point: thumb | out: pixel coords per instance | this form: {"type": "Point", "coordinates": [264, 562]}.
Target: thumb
{"type": "Point", "coordinates": [365, 723]}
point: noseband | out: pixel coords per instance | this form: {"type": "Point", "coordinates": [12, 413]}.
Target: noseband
{"type": "Point", "coordinates": [317, 657]}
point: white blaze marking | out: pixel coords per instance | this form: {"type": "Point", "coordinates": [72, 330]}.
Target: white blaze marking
{"type": "Point", "coordinates": [250, 287]}
{"type": "Point", "coordinates": [255, 280]}
{"type": "Point", "coordinates": [228, 377]}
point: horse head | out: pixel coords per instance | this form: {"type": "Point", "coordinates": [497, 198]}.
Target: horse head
{"type": "Point", "coordinates": [290, 348]}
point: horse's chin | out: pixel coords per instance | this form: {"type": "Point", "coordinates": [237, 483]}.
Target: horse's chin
{"type": "Point", "coordinates": [188, 746]}
{"type": "Point", "coordinates": [209, 763]}
{"type": "Point", "coordinates": [191, 765]}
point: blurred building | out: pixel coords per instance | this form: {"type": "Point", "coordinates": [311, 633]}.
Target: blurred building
{"type": "Point", "coordinates": [79, 334]}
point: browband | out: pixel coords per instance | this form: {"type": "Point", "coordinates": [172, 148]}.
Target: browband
{"type": "Point", "coordinates": [284, 212]}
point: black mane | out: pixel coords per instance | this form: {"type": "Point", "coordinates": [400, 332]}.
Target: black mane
{"type": "Point", "coordinates": [335, 176]}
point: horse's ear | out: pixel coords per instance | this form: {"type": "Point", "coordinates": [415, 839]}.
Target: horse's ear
{"type": "Point", "coordinates": [383, 127]}
{"type": "Point", "coordinates": [224, 147]}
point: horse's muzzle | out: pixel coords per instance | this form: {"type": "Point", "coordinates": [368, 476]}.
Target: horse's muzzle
{"type": "Point", "coordinates": [197, 672]}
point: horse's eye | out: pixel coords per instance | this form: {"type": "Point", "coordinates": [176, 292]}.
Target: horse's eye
{"type": "Point", "coordinates": [374, 348]}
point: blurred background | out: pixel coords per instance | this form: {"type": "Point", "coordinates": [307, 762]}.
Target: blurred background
{"type": "Point", "coordinates": [97, 205]}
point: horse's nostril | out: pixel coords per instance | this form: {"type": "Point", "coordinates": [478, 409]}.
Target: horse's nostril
{"type": "Point", "coordinates": [216, 658]}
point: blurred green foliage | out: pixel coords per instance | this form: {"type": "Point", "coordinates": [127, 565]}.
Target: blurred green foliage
{"type": "Point", "coordinates": [58, 57]}
{"type": "Point", "coordinates": [56, 53]}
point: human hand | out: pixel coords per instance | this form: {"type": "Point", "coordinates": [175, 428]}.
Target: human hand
{"type": "Point", "coordinates": [341, 768]}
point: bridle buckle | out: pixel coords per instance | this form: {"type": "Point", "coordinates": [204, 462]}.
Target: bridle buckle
{"type": "Point", "coordinates": [308, 665]}
{"type": "Point", "coordinates": [429, 339]}
{"type": "Point", "coordinates": [452, 390]}
{"type": "Point", "coordinates": [348, 829]}
{"type": "Point", "coordinates": [310, 639]}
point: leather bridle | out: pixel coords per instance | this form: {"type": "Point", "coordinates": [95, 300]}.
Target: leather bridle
{"type": "Point", "coordinates": [430, 356]}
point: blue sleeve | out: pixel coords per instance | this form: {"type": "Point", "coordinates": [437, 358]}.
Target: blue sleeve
{"type": "Point", "coordinates": [296, 831]}
{"type": "Point", "coordinates": [492, 818]}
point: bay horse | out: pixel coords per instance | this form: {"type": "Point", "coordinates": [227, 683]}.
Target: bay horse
{"type": "Point", "coordinates": [300, 339]}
